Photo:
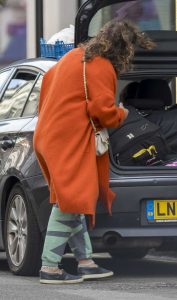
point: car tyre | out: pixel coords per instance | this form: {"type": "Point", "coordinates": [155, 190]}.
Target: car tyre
{"type": "Point", "coordinates": [23, 241]}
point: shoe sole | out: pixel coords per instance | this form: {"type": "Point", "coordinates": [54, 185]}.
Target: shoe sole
{"type": "Point", "coordinates": [45, 281]}
{"type": "Point", "coordinates": [97, 276]}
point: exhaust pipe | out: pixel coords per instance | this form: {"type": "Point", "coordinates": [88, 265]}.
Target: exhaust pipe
{"type": "Point", "coordinates": [113, 240]}
{"type": "Point", "coordinates": [110, 239]}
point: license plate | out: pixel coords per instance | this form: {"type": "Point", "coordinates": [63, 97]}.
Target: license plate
{"type": "Point", "coordinates": [161, 210]}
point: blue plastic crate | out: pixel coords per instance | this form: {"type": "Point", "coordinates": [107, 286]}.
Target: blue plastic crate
{"type": "Point", "coordinates": [54, 51]}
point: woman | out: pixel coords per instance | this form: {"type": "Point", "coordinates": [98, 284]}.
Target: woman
{"type": "Point", "coordinates": [65, 145]}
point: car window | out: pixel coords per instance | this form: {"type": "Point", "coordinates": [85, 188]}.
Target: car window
{"type": "Point", "coordinates": [16, 95]}
{"type": "Point", "coordinates": [4, 77]}
{"type": "Point", "coordinates": [32, 103]}
{"type": "Point", "coordinates": [147, 14]}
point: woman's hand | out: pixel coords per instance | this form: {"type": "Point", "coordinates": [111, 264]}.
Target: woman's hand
{"type": "Point", "coordinates": [126, 112]}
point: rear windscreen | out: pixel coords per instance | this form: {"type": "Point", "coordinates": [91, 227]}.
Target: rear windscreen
{"type": "Point", "coordinates": [147, 14]}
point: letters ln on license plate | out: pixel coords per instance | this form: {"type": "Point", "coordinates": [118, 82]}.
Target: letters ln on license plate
{"type": "Point", "coordinates": [161, 210]}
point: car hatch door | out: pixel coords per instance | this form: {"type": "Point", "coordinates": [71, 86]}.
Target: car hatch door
{"type": "Point", "coordinates": [156, 17]}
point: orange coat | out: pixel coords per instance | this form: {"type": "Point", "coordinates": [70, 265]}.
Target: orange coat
{"type": "Point", "coordinates": [64, 138]}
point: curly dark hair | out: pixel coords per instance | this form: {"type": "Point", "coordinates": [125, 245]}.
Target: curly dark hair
{"type": "Point", "coordinates": [116, 41]}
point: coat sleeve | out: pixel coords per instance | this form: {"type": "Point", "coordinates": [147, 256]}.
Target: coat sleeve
{"type": "Point", "coordinates": [101, 84]}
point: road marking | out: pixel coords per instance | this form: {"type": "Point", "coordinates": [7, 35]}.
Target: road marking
{"type": "Point", "coordinates": [165, 259]}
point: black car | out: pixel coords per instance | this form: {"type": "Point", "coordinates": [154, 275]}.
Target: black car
{"type": "Point", "coordinates": [136, 224]}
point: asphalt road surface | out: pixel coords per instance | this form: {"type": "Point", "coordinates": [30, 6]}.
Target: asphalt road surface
{"type": "Point", "coordinates": [152, 278]}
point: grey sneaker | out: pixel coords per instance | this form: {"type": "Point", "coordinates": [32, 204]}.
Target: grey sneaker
{"type": "Point", "coordinates": [94, 272]}
{"type": "Point", "coordinates": [56, 278]}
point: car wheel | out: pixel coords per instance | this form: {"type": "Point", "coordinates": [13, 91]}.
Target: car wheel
{"type": "Point", "coordinates": [130, 253]}
{"type": "Point", "coordinates": [22, 236]}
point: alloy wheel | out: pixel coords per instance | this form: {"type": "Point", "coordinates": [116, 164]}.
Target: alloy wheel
{"type": "Point", "coordinates": [17, 230]}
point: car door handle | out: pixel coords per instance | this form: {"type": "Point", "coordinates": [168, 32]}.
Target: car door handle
{"type": "Point", "coordinates": [6, 143]}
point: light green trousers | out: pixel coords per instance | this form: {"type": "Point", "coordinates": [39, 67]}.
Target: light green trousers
{"type": "Point", "coordinates": [65, 228]}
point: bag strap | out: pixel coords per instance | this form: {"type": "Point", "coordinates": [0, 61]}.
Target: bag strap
{"type": "Point", "coordinates": [86, 92]}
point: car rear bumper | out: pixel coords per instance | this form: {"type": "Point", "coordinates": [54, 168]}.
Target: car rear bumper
{"type": "Point", "coordinates": [113, 239]}
{"type": "Point", "coordinates": [136, 232]}
{"type": "Point", "coordinates": [111, 233]}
